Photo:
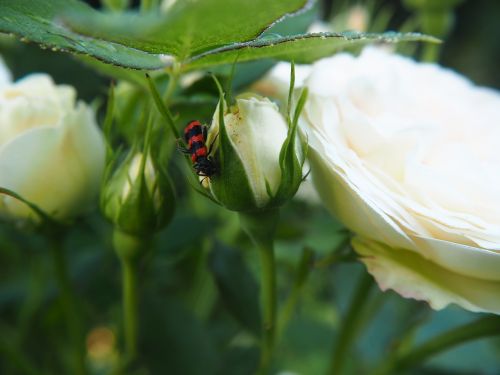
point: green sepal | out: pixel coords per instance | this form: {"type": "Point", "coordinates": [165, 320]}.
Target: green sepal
{"type": "Point", "coordinates": [144, 210]}
{"type": "Point", "coordinates": [292, 155]}
{"type": "Point", "coordinates": [137, 214]}
{"type": "Point", "coordinates": [167, 196]}
{"type": "Point", "coordinates": [230, 185]}
{"type": "Point", "coordinates": [47, 223]}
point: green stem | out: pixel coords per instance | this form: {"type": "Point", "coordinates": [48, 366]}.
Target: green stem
{"type": "Point", "coordinates": [69, 306]}
{"type": "Point", "coordinates": [162, 108]}
{"type": "Point", "coordinates": [431, 52]}
{"type": "Point", "coordinates": [146, 5]}
{"type": "Point", "coordinates": [17, 360]}
{"type": "Point", "coordinates": [173, 79]}
{"type": "Point", "coordinates": [268, 285]}
{"type": "Point", "coordinates": [301, 275]}
{"type": "Point", "coordinates": [483, 327]}
{"type": "Point", "coordinates": [130, 314]}
{"type": "Point", "coordinates": [261, 227]}
{"type": "Point", "coordinates": [130, 250]}
{"type": "Point", "coordinates": [339, 253]}
{"type": "Point", "coordinates": [350, 324]}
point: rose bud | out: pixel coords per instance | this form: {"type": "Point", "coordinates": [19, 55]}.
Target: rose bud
{"type": "Point", "coordinates": [138, 198]}
{"type": "Point", "coordinates": [51, 150]}
{"type": "Point", "coordinates": [259, 157]}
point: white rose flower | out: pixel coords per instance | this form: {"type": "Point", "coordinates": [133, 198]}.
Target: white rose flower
{"type": "Point", "coordinates": [407, 156]}
{"type": "Point", "coordinates": [51, 150]}
{"type": "Point", "coordinates": [5, 76]}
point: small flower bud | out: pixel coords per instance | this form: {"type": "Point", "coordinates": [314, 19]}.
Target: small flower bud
{"type": "Point", "coordinates": [259, 157]}
{"type": "Point", "coordinates": [138, 198]}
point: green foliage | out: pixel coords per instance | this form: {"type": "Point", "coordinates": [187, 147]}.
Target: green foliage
{"type": "Point", "coordinates": [145, 41]}
{"type": "Point", "coordinates": [41, 22]}
{"type": "Point", "coordinates": [237, 287]}
{"type": "Point", "coordinates": [187, 28]}
{"type": "Point", "coordinates": [196, 35]}
{"type": "Point", "coordinates": [303, 48]}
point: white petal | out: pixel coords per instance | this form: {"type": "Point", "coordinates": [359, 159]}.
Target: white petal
{"type": "Point", "coordinates": [258, 131]}
{"type": "Point", "coordinates": [58, 168]}
{"type": "Point", "coordinates": [5, 75]}
{"type": "Point", "coordinates": [352, 208]}
{"type": "Point", "coordinates": [466, 260]}
{"type": "Point", "coordinates": [413, 276]}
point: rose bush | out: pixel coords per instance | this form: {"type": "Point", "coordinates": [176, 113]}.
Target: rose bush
{"type": "Point", "coordinates": [51, 150]}
{"type": "Point", "coordinates": [406, 155]}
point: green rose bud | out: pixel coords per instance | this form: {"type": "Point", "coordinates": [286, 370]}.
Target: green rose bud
{"type": "Point", "coordinates": [138, 198]}
{"type": "Point", "coordinates": [259, 156]}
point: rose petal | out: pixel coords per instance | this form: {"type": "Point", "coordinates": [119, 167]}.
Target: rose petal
{"type": "Point", "coordinates": [258, 131]}
{"type": "Point", "coordinates": [5, 75]}
{"type": "Point", "coordinates": [351, 207]}
{"type": "Point", "coordinates": [466, 260]}
{"type": "Point", "coordinates": [57, 168]}
{"type": "Point", "coordinates": [413, 276]}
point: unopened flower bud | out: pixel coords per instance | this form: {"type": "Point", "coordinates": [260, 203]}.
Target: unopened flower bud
{"type": "Point", "coordinates": [259, 157]}
{"type": "Point", "coordinates": [138, 198]}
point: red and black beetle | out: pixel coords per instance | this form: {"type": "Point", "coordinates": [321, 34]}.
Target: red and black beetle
{"type": "Point", "coordinates": [195, 136]}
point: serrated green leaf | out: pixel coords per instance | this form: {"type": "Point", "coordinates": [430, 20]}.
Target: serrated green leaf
{"type": "Point", "coordinates": [303, 48]}
{"type": "Point", "coordinates": [187, 28]}
{"type": "Point", "coordinates": [197, 34]}
{"type": "Point", "coordinates": [41, 22]}
{"type": "Point", "coordinates": [115, 72]}
{"type": "Point", "coordinates": [149, 40]}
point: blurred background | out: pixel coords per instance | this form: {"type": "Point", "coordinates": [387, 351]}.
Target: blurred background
{"type": "Point", "coordinates": [199, 291]}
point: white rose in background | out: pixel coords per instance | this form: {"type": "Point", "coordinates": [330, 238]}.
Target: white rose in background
{"type": "Point", "coordinates": [51, 150]}
{"type": "Point", "coordinates": [407, 156]}
{"type": "Point", "coordinates": [5, 76]}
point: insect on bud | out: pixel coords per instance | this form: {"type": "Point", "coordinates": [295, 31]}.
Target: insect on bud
{"type": "Point", "coordinates": [258, 155]}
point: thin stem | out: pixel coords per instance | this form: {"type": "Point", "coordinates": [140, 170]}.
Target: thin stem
{"type": "Point", "coordinates": [162, 108]}
{"type": "Point", "coordinates": [303, 269]}
{"type": "Point", "coordinates": [337, 254]}
{"type": "Point", "coordinates": [146, 5]}
{"type": "Point", "coordinates": [350, 324]}
{"type": "Point", "coordinates": [130, 313]}
{"type": "Point", "coordinates": [173, 79]}
{"type": "Point", "coordinates": [130, 249]}
{"type": "Point", "coordinates": [483, 327]}
{"type": "Point", "coordinates": [17, 360]}
{"type": "Point", "coordinates": [261, 227]}
{"type": "Point", "coordinates": [431, 52]}
{"type": "Point", "coordinates": [69, 305]}
{"type": "Point", "coordinates": [268, 290]}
